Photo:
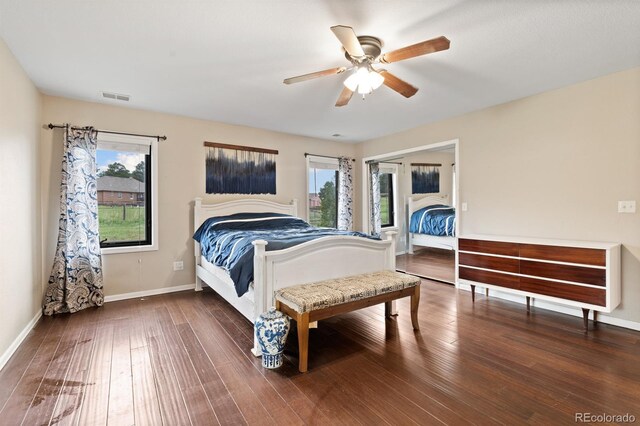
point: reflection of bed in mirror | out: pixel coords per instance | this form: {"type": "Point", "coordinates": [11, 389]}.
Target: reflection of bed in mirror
{"type": "Point", "coordinates": [431, 215]}
{"type": "Point", "coordinates": [320, 259]}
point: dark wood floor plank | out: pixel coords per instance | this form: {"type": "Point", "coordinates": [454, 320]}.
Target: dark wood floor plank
{"type": "Point", "coordinates": [121, 382]}
{"type": "Point", "coordinates": [237, 327]}
{"type": "Point", "coordinates": [248, 403]}
{"type": "Point", "coordinates": [46, 397]}
{"type": "Point", "coordinates": [172, 404]}
{"type": "Point", "coordinates": [170, 397]}
{"type": "Point", "coordinates": [145, 395]}
{"type": "Point", "coordinates": [487, 362]}
{"type": "Point", "coordinates": [328, 394]}
{"type": "Point", "coordinates": [196, 401]}
{"type": "Point", "coordinates": [241, 365]}
{"type": "Point", "coordinates": [146, 405]}
{"type": "Point", "coordinates": [239, 346]}
{"type": "Point", "coordinates": [67, 408]}
{"type": "Point", "coordinates": [95, 401]}
{"type": "Point", "coordinates": [221, 400]}
{"type": "Point", "coordinates": [13, 370]}
{"type": "Point", "coordinates": [23, 394]}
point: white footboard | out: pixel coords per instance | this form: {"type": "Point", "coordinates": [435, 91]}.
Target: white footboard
{"type": "Point", "coordinates": [316, 260]}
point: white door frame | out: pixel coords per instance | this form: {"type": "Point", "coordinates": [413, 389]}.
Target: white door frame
{"type": "Point", "coordinates": [403, 152]}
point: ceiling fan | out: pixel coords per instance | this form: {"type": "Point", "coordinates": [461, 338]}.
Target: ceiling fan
{"type": "Point", "coordinates": [365, 51]}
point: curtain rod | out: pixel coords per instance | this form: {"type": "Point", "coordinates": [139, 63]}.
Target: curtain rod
{"type": "Point", "coordinates": [382, 162]}
{"type": "Point", "coordinates": [306, 154]}
{"type": "Point", "coordinates": [61, 126]}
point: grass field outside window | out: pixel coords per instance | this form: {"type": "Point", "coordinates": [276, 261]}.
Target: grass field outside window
{"type": "Point", "coordinates": [122, 223]}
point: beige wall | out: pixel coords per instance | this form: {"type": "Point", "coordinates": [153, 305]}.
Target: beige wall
{"type": "Point", "coordinates": [181, 179]}
{"type": "Point", "coordinates": [551, 165]}
{"type": "Point", "coordinates": [20, 219]}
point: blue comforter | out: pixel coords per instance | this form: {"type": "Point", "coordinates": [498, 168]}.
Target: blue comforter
{"type": "Point", "coordinates": [225, 241]}
{"type": "Point", "coordinates": [438, 220]}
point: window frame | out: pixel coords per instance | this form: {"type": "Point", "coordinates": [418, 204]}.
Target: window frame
{"type": "Point", "coordinates": [150, 199]}
{"type": "Point", "coordinates": [312, 159]}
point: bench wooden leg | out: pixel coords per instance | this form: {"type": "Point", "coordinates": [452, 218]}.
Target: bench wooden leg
{"type": "Point", "coordinates": [415, 302]}
{"type": "Point", "coordinates": [303, 341]}
{"type": "Point", "coordinates": [387, 309]}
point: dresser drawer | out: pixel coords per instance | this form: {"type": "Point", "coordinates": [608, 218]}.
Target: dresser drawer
{"type": "Point", "coordinates": [591, 295]}
{"type": "Point", "coordinates": [488, 277]}
{"type": "Point", "coordinates": [577, 274]}
{"type": "Point", "coordinates": [583, 256]}
{"type": "Point", "coordinates": [506, 264]}
{"type": "Point", "coordinates": [491, 247]}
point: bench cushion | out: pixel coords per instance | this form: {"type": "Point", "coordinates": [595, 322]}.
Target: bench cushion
{"type": "Point", "coordinates": [322, 294]}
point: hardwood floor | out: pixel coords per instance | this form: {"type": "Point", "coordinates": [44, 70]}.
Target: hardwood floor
{"type": "Point", "coordinates": [184, 359]}
{"type": "Point", "coordinates": [436, 264]}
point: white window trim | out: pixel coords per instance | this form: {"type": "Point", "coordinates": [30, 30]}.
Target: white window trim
{"type": "Point", "coordinates": [153, 144]}
{"type": "Point", "coordinates": [313, 159]}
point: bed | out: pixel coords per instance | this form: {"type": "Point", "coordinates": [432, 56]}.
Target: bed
{"type": "Point", "coordinates": [320, 259]}
{"type": "Point", "coordinates": [439, 219]}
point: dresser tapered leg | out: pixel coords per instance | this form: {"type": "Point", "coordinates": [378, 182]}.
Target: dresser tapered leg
{"type": "Point", "coordinates": [585, 318]}
{"type": "Point", "coordinates": [473, 293]}
{"type": "Point", "coordinates": [528, 304]}
{"type": "Point", "coordinates": [595, 317]}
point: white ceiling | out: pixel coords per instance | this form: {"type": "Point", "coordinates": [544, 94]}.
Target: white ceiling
{"type": "Point", "coordinates": [225, 60]}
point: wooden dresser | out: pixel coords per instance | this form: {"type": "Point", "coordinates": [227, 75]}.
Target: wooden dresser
{"type": "Point", "coordinates": [578, 273]}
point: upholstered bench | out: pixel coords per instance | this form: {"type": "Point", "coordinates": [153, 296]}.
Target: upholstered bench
{"type": "Point", "coordinates": [307, 303]}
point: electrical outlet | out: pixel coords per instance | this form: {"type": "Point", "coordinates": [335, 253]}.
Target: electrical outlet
{"type": "Point", "coordinates": [464, 207]}
{"type": "Point", "coordinates": [178, 266]}
{"type": "Point", "coordinates": [626, 206]}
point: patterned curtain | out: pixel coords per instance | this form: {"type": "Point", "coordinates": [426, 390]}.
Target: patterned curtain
{"type": "Point", "coordinates": [76, 277]}
{"type": "Point", "coordinates": [374, 199]}
{"type": "Point", "coordinates": [345, 194]}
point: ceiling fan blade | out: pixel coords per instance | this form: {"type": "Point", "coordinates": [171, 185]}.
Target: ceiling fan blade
{"type": "Point", "coordinates": [349, 41]}
{"type": "Point", "coordinates": [418, 49]}
{"type": "Point", "coordinates": [313, 75]}
{"type": "Point", "coordinates": [344, 98]}
{"type": "Point", "coordinates": [400, 86]}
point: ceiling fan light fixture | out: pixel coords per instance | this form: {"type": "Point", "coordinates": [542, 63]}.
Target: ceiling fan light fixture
{"type": "Point", "coordinates": [364, 88]}
{"type": "Point", "coordinates": [375, 79]}
{"type": "Point", "coordinates": [364, 80]}
{"type": "Point", "coordinates": [352, 82]}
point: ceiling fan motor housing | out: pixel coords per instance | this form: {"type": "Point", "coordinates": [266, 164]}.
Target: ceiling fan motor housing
{"type": "Point", "coordinates": [372, 47]}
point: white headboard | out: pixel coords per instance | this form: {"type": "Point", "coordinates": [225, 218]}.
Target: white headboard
{"type": "Point", "coordinates": [202, 212]}
{"type": "Point", "coordinates": [414, 204]}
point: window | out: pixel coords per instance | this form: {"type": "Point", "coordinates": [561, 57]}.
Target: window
{"type": "Point", "coordinates": [322, 200]}
{"type": "Point", "coordinates": [126, 193]}
{"type": "Point", "coordinates": [387, 205]}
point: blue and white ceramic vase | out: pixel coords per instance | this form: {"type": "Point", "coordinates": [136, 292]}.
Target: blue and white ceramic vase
{"type": "Point", "coordinates": [271, 330]}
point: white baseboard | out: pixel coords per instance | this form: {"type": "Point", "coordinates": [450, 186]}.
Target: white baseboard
{"type": "Point", "coordinates": [400, 253]}
{"type": "Point", "coordinates": [146, 293]}
{"type": "Point", "coordinates": [604, 318]}
{"type": "Point", "coordinates": [18, 340]}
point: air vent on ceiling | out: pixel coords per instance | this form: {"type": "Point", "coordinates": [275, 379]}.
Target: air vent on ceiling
{"type": "Point", "coordinates": [116, 96]}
